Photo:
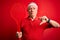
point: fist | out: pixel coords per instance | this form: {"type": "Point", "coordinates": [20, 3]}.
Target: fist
{"type": "Point", "coordinates": [19, 34]}
{"type": "Point", "coordinates": [43, 19]}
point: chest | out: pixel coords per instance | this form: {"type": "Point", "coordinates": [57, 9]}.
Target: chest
{"type": "Point", "coordinates": [31, 26]}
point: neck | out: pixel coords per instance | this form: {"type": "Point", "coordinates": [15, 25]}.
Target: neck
{"type": "Point", "coordinates": [32, 18]}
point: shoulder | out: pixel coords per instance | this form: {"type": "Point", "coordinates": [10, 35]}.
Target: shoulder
{"type": "Point", "coordinates": [24, 19]}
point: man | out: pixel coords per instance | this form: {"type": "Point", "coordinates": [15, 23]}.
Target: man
{"type": "Point", "coordinates": [32, 27]}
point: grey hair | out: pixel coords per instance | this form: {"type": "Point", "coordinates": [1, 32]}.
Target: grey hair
{"type": "Point", "coordinates": [33, 3]}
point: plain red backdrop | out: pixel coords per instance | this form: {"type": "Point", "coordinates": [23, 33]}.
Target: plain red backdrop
{"type": "Point", "coordinates": [12, 11]}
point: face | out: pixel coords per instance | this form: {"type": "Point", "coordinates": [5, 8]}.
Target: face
{"type": "Point", "coordinates": [32, 10]}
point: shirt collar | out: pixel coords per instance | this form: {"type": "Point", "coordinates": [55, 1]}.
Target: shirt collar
{"type": "Point", "coordinates": [31, 18]}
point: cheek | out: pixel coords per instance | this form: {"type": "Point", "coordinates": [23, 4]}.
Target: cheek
{"type": "Point", "coordinates": [36, 11]}
{"type": "Point", "coordinates": [29, 10]}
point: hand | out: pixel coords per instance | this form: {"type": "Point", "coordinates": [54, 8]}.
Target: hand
{"type": "Point", "coordinates": [44, 19]}
{"type": "Point", "coordinates": [19, 34]}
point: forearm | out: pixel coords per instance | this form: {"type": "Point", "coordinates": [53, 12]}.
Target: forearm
{"type": "Point", "coordinates": [54, 23]}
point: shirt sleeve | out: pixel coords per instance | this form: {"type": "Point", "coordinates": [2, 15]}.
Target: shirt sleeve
{"type": "Point", "coordinates": [49, 25]}
{"type": "Point", "coordinates": [46, 25]}
{"type": "Point", "coordinates": [21, 25]}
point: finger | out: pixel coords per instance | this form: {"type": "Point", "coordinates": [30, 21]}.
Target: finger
{"type": "Point", "coordinates": [40, 18]}
{"type": "Point", "coordinates": [42, 22]}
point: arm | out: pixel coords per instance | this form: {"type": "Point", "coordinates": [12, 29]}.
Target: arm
{"type": "Point", "coordinates": [54, 23]}
{"type": "Point", "coordinates": [19, 32]}
{"type": "Point", "coordinates": [44, 19]}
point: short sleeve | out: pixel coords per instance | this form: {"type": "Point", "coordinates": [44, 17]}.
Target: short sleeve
{"type": "Point", "coordinates": [46, 25]}
{"type": "Point", "coordinates": [22, 24]}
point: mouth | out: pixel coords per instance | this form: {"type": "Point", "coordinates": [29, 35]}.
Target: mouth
{"type": "Point", "coordinates": [32, 12]}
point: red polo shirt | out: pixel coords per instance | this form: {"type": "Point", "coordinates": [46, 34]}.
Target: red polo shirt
{"type": "Point", "coordinates": [32, 30]}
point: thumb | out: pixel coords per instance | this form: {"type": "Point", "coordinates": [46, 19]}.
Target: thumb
{"type": "Point", "coordinates": [42, 22]}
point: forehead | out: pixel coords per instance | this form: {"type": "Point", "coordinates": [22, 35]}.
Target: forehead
{"type": "Point", "coordinates": [32, 6]}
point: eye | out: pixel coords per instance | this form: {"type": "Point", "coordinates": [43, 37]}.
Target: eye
{"type": "Point", "coordinates": [30, 8]}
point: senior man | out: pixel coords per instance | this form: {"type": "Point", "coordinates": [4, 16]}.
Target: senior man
{"type": "Point", "coordinates": [32, 27]}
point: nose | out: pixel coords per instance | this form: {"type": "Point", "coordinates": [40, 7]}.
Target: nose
{"type": "Point", "coordinates": [31, 10]}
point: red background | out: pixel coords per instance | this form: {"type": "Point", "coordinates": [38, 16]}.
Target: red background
{"type": "Point", "coordinates": [12, 11]}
